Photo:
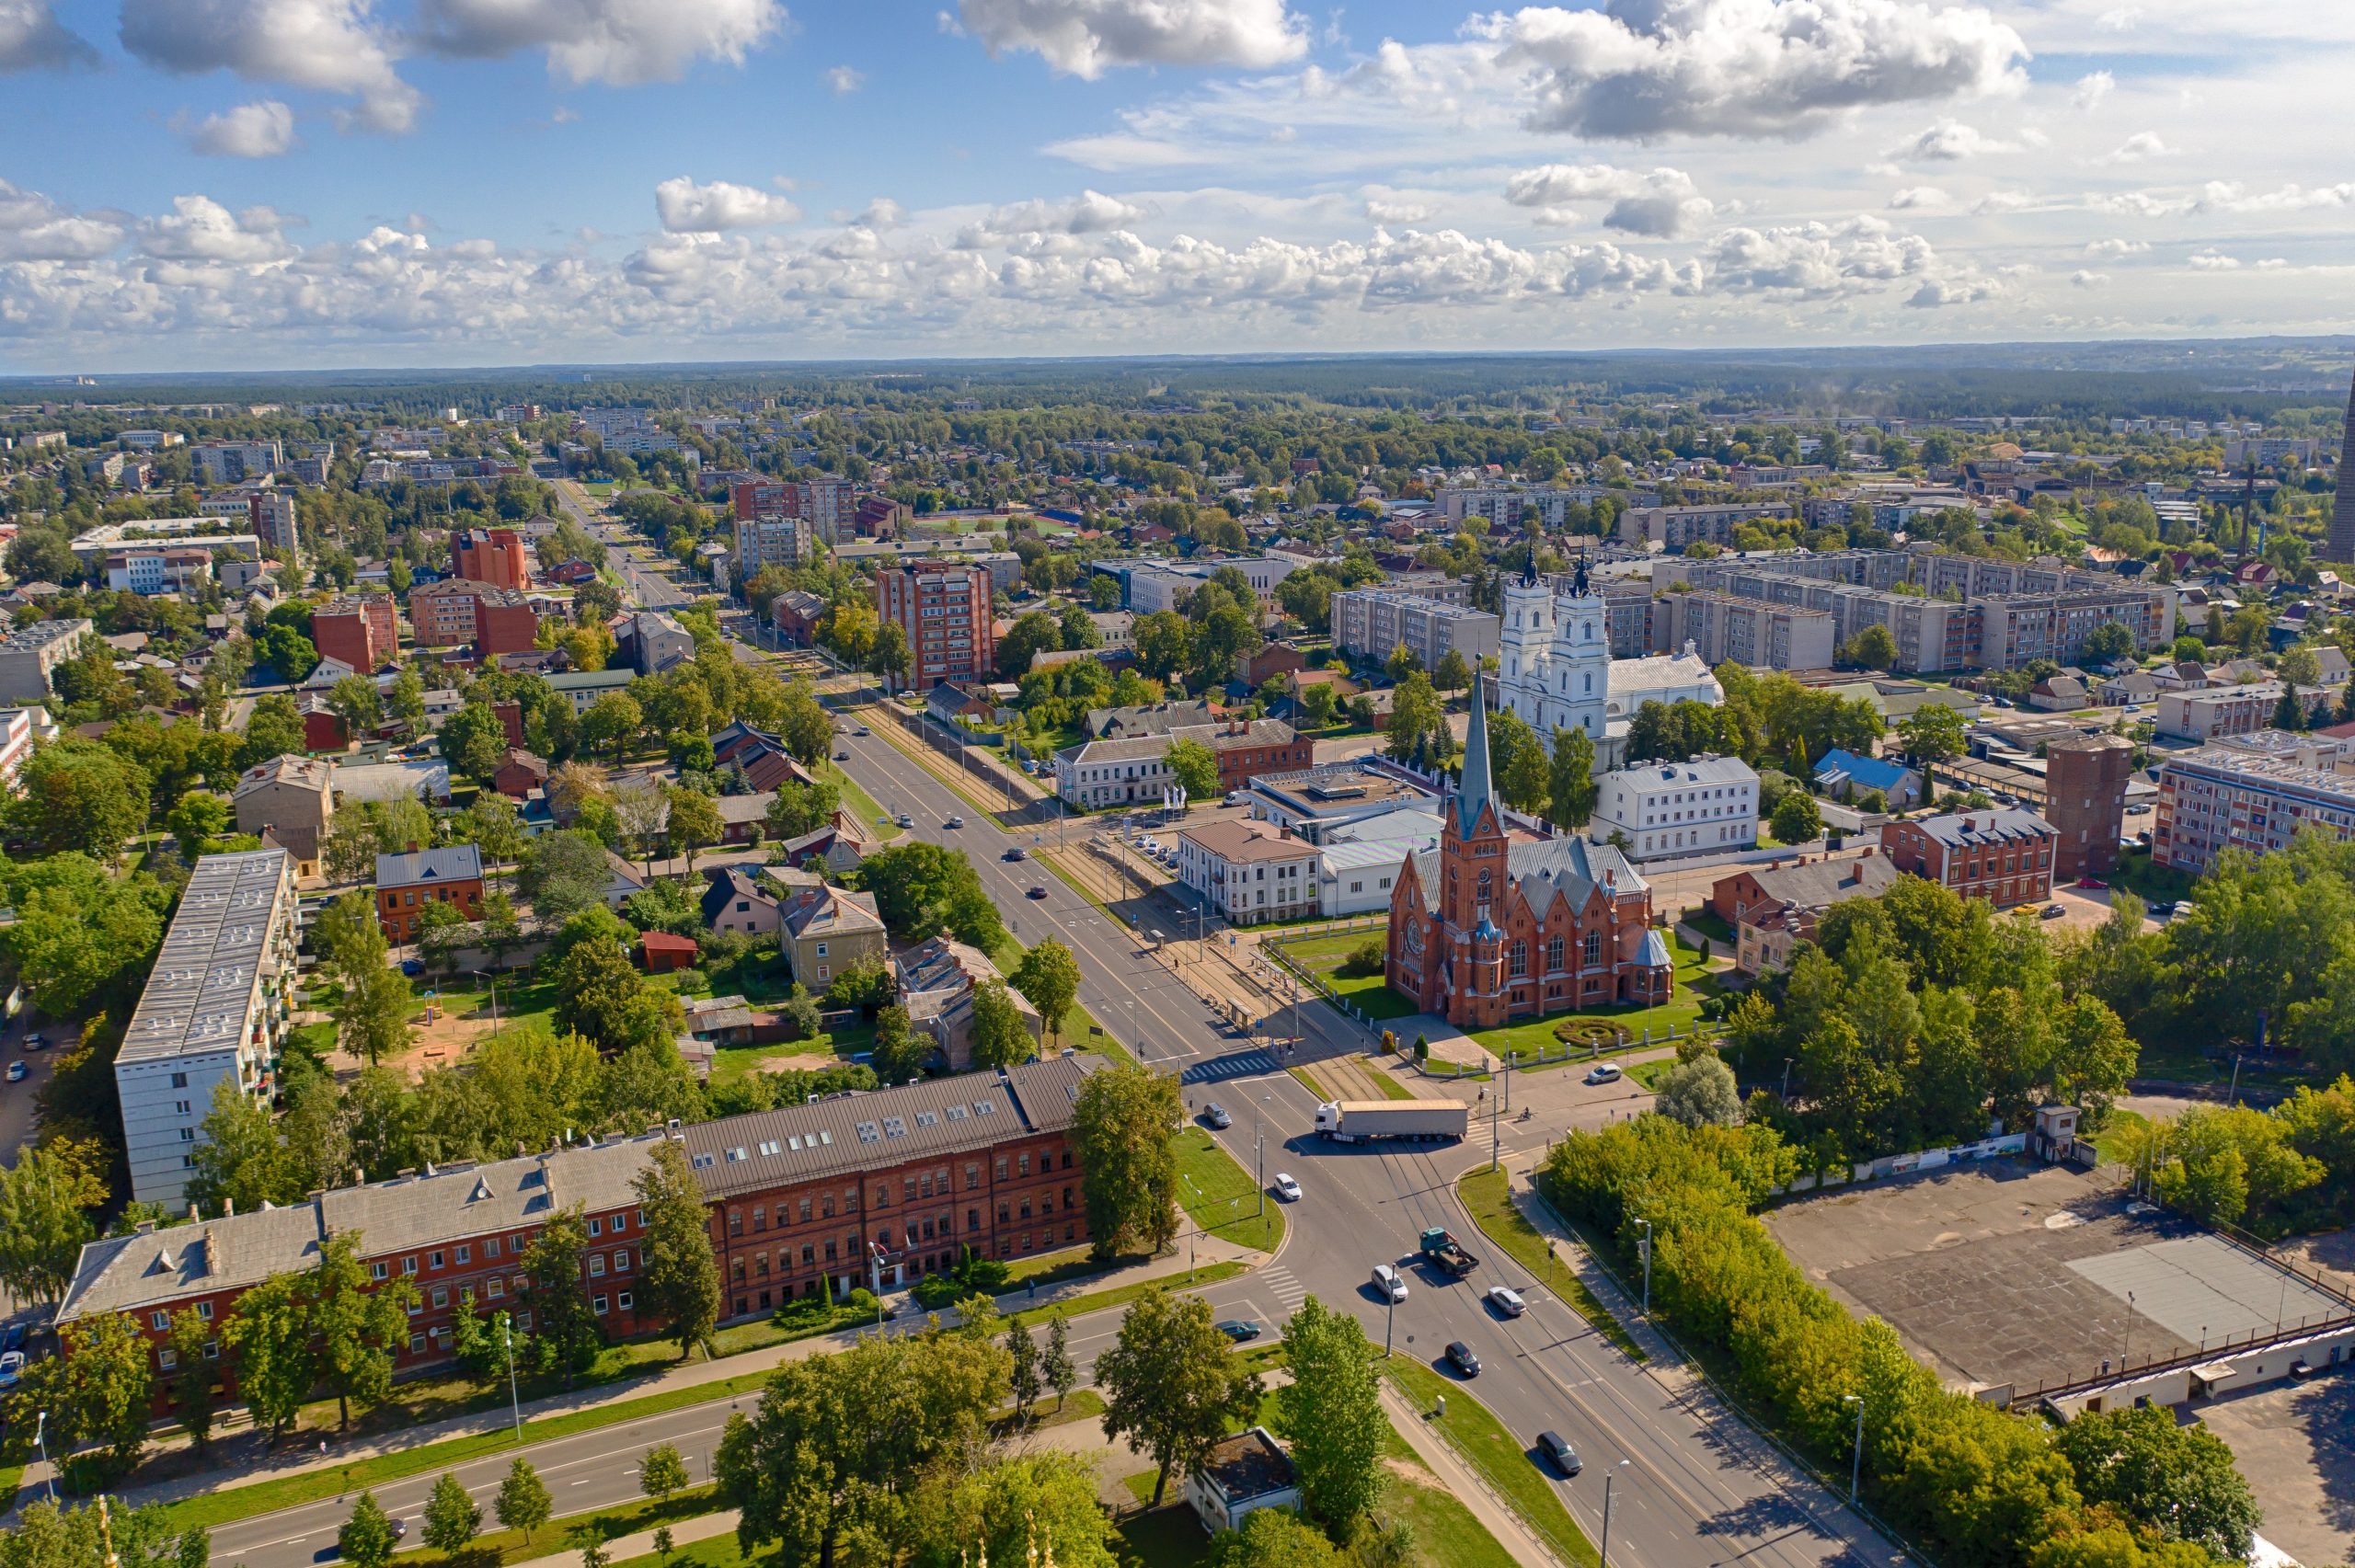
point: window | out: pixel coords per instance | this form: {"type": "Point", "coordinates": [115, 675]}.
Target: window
{"type": "Point", "coordinates": [417, 1344]}
{"type": "Point", "coordinates": [187, 1135]}
{"type": "Point", "coordinates": [596, 1225]}
{"type": "Point", "coordinates": [621, 1260]}
{"type": "Point", "coordinates": [599, 1302]}
{"type": "Point", "coordinates": [496, 1288]}
{"type": "Point", "coordinates": [408, 1264]}
{"type": "Point", "coordinates": [1592, 949]}
{"type": "Point", "coordinates": [596, 1265]}
{"type": "Point", "coordinates": [1518, 963]}
{"type": "Point", "coordinates": [466, 1256]}
{"type": "Point", "coordinates": [159, 1319]}
{"type": "Point", "coordinates": [441, 1296]}
{"type": "Point", "coordinates": [433, 1260]}
{"type": "Point", "coordinates": [168, 1358]}
{"type": "Point", "coordinates": [204, 1311]}
{"type": "Point", "coordinates": [625, 1301]}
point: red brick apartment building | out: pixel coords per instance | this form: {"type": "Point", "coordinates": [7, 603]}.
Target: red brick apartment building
{"type": "Point", "coordinates": [457, 612]}
{"type": "Point", "coordinates": [406, 884]}
{"type": "Point", "coordinates": [943, 609]}
{"type": "Point", "coordinates": [831, 1196]}
{"type": "Point", "coordinates": [495, 555]}
{"type": "Point", "coordinates": [358, 629]}
{"type": "Point", "coordinates": [1246, 747]}
{"type": "Point", "coordinates": [2001, 856]}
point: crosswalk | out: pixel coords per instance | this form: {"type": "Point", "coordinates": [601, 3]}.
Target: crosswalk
{"type": "Point", "coordinates": [1288, 1291]}
{"type": "Point", "coordinates": [1236, 1064]}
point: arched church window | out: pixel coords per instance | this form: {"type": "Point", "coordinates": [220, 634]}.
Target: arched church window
{"type": "Point", "coordinates": [1484, 885]}
{"type": "Point", "coordinates": [1590, 685]}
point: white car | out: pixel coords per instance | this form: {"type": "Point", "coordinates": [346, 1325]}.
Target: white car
{"type": "Point", "coordinates": [1286, 1188]}
{"type": "Point", "coordinates": [1605, 1072]}
{"type": "Point", "coordinates": [1507, 1301]}
{"type": "Point", "coordinates": [12, 1366]}
{"type": "Point", "coordinates": [1388, 1283]}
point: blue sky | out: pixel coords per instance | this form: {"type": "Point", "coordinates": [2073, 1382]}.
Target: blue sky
{"type": "Point", "coordinates": [291, 183]}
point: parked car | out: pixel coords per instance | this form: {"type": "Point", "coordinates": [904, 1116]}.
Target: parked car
{"type": "Point", "coordinates": [2091, 882]}
{"type": "Point", "coordinates": [12, 1366]}
{"type": "Point", "coordinates": [410, 966]}
{"type": "Point", "coordinates": [1286, 1188]}
{"type": "Point", "coordinates": [1461, 1355]}
{"type": "Point", "coordinates": [905, 820]}
{"type": "Point", "coordinates": [1605, 1072]}
{"type": "Point", "coordinates": [1239, 1329]}
{"type": "Point", "coordinates": [862, 731]}
{"type": "Point", "coordinates": [16, 1071]}
{"type": "Point", "coordinates": [1507, 1301]}
{"type": "Point", "coordinates": [2052, 913]}
{"type": "Point", "coordinates": [1215, 1115]}
{"type": "Point", "coordinates": [1557, 1447]}
{"type": "Point", "coordinates": [1388, 1283]}
{"type": "Point", "coordinates": [14, 1339]}
{"type": "Point", "coordinates": [36, 1042]}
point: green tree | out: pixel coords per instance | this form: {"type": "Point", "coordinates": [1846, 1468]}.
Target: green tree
{"type": "Point", "coordinates": [1056, 1368]}
{"type": "Point", "coordinates": [406, 700]}
{"type": "Point", "coordinates": [1796, 819]}
{"type": "Point", "coordinates": [1699, 1092]}
{"type": "Point", "coordinates": [355, 700]}
{"type": "Point", "coordinates": [80, 796]}
{"type": "Point", "coordinates": [452, 1518]}
{"type": "Point", "coordinates": [1122, 1135]}
{"type": "Point", "coordinates": [681, 1277]}
{"type": "Point", "coordinates": [238, 1158]}
{"type": "Point", "coordinates": [1932, 734]}
{"type": "Point", "coordinates": [1170, 1385]}
{"type": "Point", "coordinates": [612, 722]}
{"type": "Point", "coordinates": [268, 1337]}
{"type": "Point", "coordinates": [366, 1539]}
{"type": "Point", "coordinates": [1333, 1414]}
{"type": "Point", "coordinates": [356, 1330]}
{"type": "Point", "coordinates": [46, 1204]}
{"type": "Point", "coordinates": [371, 1014]}
{"type": "Point", "coordinates": [523, 1503]}
{"type": "Point", "coordinates": [199, 817]}
{"type": "Point", "coordinates": [901, 1051]}
{"type": "Point", "coordinates": [1008, 1508]}
{"type": "Point", "coordinates": [565, 1332]}
{"type": "Point", "coordinates": [662, 1473]}
{"type": "Point", "coordinates": [1049, 976]}
{"type": "Point", "coordinates": [1195, 767]}
{"type": "Point", "coordinates": [1023, 1378]}
{"type": "Point", "coordinates": [78, 931]}
{"type": "Point", "coordinates": [1000, 1036]}
{"type": "Point", "coordinates": [2177, 1480]}
{"type": "Point", "coordinates": [473, 742]}
{"type": "Point", "coordinates": [1872, 648]}
{"type": "Point", "coordinates": [1452, 674]}
{"type": "Point", "coordinates": [694, 823]}
{"type": "Point", "coordinates": [1271, 1537]}
{"type": "Point", "coordinates": [889, 659]}
{"type": "Point", "coordinates": [273, 730]}
{"type": "Point", "coordinates": [801, 809]}
{"type": "Point", "coordinates": [2112, 639]}
{"type": "Point", "coordinates": [563, 874]}
{"type": "Point", "coordinates": [601, 995]}
{"type": "Point", "coordinates": [1571, 792]}
{"type": "Point", "coordinates": [191, 1336]}
{"type": "Point", "coordinates": [1401, 663]}
{"type": "Point", "coordinates": [48, 1536]}
{"type": "Point", "coordinates": [96, 1393]}
{"type": "Point", "coordinates": [1417, 719]}
{"type": "Point", "coordinates": [493, 826]}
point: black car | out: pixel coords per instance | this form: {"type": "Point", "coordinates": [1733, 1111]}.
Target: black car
{"type": "Point", "coordinates": [1239, 1329]}
{"type": "Point", "coordinates": [1016, 853]}
{"type": "Point", "coordinates": [1555, 1446]}
{"type": "Point", "coordinates": [1039, 892]}
{"type": "Point", "coordinates": [1465, 1362]}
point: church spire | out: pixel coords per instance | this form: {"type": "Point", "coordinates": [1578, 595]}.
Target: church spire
{"type": "Point", "coordinates": [1475, 791]}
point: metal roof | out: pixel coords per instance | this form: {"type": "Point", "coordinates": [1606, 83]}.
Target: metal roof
{"type": "Point", "coordinates": [450, 863]}
{"type": "Point", "coordinates": [203, 988]}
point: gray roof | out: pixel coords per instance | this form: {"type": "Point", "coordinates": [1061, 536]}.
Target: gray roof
{"type": "Point", "coordinates": [453, 1201]}
{"type": "Point", "coordinates": [197, 993]}
{"type": "Point", "coordinates": [1968, 829]}
{"type": "Point", "coordinates": [935, 1116]}
{"type": "Point", "coordinates": [1574, 867]}
{"type": "Point", "coordinates": [1823, 883]}
{"type": "Point", "coordinates": [125, 1273]}
{"type": "Point", "coordinates": [450, 862]}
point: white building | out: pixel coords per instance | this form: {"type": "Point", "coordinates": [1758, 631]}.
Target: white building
{"type": "Point", "coordinates": [1355, 878]}
{"type": "Point", "coordinates": [1249, 872]}
{"type": "Point", "coordinates": [214, 1010]}
{"type": "Point", "coordinates": [1665, 809]}
{"type": "Point", "coordinates": [1556, 670]}
{"type": "Point", "coordinates": [20, 727]}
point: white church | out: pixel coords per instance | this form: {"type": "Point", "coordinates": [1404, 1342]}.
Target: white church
{"type": "Point", "coordinates": [1556, 671]}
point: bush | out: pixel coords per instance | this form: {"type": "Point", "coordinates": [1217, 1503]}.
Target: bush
{"type": "Point", "coordinates": [1592, 1032]}
{"type": "Point", "coordinates": [1422, 1047]}
{"type": "Point", "coordinates": [1366, 958]}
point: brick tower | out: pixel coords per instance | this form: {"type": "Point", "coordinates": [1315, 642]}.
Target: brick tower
{"type": "Point", "coordinates": [2085, 780]}
{"type": "Point", "coordinates": [2341, 545]}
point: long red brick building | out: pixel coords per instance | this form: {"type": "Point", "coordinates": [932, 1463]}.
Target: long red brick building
{"type": "Point", "coordinates": [856, 1189]}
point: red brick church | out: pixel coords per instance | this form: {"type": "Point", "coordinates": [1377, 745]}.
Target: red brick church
{"type": "Point", "coordinates": [1483, 930]}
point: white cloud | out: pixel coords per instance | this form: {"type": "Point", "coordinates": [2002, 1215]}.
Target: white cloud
{"type": "Point", "coordinates": [844, 80]}
{"type": "Point", "coordinates": [685, 207]}
{"type": "Point", "coordinates": [880, 213]}
{"type": "Point", "coordinates": [2000, 202]}
{"type": "Point", "coordinates": [264, 129]}
{"type": "Point", "coordinates": [1389, 213]}
{"type": "Point", "coordinates": [34, 228]}
{"type": "Point", "coordinates": [2142, 145]}
{"type": "Point", "coordinates": [2272, 263]}
{"type": "Point", "coordinates": [1084, 37]}
{"type": "Point", "coordinates": [1652, 68]}
{"type": "Point", "coordinates": [2085, 278]}
{"type": "Point", "coordinates": [2213, 261]}
{"type": "Point", "coordinates": [32, 39]}
{"type": "Point", "coordinates": [199, 229]}
{"type": "Point", "coordinates": [1921, 199]}
{"type": "Point", "coordinates": [1662, 203]}
{"type": "Point", "coordinates": [2140, 204]}
{"type": "Point", "coordinates": [1091, 211]}
{"type": "Point", "coordinates": [621, 42]}
{"type": "Point", "coordinates": [2230, 197]}
{"type": "Point", "coordinates": [1820, 260]}
{"type": "Point", "coordinates": [2119, 18]}
{"type": "Point", "coordinates": [2091, 90]}
{"type": "Point", "coordinates": [332, 46]}
{"type": "Point", "coordinates": [1950, 141]}
{"type": "Point", "coordinates": [2113, 249]}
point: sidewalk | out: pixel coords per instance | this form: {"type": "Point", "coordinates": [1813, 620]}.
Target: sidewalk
{"type": "Point", "coordinates": [693, 1374]}
{"type": "Point", "coordinates": [1739, 1440]}
{"type": "Point", "coordinates": [1440, 1458]}
{"type": "Point", "coordinates": [621, 1548]}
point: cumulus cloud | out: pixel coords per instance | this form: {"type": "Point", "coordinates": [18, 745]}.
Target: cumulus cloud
{"type": "Point", "coordinates": [2140, 146]}
{"type": "Point", "coordinates": [1920, 199]}
{"type": "Point", "coordinates": [688, 208]}
{"type": "Point", "coordinates": [1091, 211]}
{"type": "Point", "coordinates": [2230, 197]}
{"type": "Point", "coordinates": [2141, 203]}
{"type": "Point", "coordinates": [621, 42]}
{"type": "Point", "coordinates": [2000, 202]}
{"type": "Point", "coordinates": [1084, 37]}
{"type": "Point", "coordinates": [199, 229]}
{"type": "Point", "coordinates": [2214, 261]}
{"type": "Point", "coordinates": [332, 46]}
{"type": "Point", "coordinates": [264, 129]}
{"type": "Point", "coordinates": [1861, 255]}
{"type": "Point", "coordinates": [844, 80]}
{"type": "Point", "coordinates": [34, 228]}
{"type": "Point", "coordinates": [1644, 69]}
{"type": "Point", "coordinates": [2085, 278]}
{"type": "Point", "coordinates": [1403, 213]}
{"type": "Point", "coordinates": [1662, 203]}
{"type": "Point", "coordinates": [2272, 263]}
{"type": "Point", "coordinates": [2113, 249]}
{"type": "Point", "coordinates": [880, 213]}
{"type": "Point", "coordinates": [1950, 141]}
{"type": "Point", "coordinates": [32, 39]}
{"type": "Point", "coordinates": [2090, 91]}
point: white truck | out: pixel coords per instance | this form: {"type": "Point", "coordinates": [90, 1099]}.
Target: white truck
{"type": "Point", "coordinates": [1419, 1121]}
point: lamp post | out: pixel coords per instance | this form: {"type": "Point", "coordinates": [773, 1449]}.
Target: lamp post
{"type": "Point", "coordinates": [1389, 1319]}
{"type": "Point", "coordinates": [41, 1442]}
{"type": "Point", "coordinates": [2126, 1344]}
{"type": "Point", "coordinates": [1644, 1246]}
{"type": "Point", "coordinates": [1603, 1557]}
{"type": "Point", "coordinates": [1260, 1155]}
{"type": "Point", "coordinates": [482, 975]}
{"type": "Point", "coordinates": [514, 1401]}
{"type": "Point", "coordinates": [1856, 1461]}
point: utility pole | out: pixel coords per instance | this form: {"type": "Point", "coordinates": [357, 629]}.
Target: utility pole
{"type": "Point", "coordinates": [1389, 1322]}
{"type": "Point", "coordinates": [1604, 1559]}
{"type": "Point", "coordinates": [1856, 1463]}
{"type": "Point", "coordinates": [1644, 1246]}
{"type": "Point", "coordinates": [514, 1401]}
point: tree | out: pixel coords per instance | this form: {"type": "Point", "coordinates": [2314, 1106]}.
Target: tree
{"type": "Point", "coordinates": [523, 1503]}
{"type": "Point", "coordinates": [1931, 734]}
{"type": "Point", "coordinates": [1121, 1133]}
{"type": "Point", "coordinates": [1872, 648]}
{"type": "Point", "coordinates": [192, 1337]}
{"type": "Point", "coordinates": [601, 995]}
{"type": "Point", "coordinates": [1699, 1092]}
{"type": "Point", "coordinates": [1271, 1537]}
{"type": "Point", "coordinates": [1000, 1036]}
{"type": "Point", "coordinates": [1524, 776]}
{"type": "Point", "coordinates": [2177, 1481]}
{"type": "Point", "coordinates": [2112, 639]}
{"type": "Point", "coordinates": [1796, 819]}
{"type": "Point", "coordinates": [79, 794]}
{"type": "Point", "coordinates": [565, 1332]}
{"type": "Point", "coordinates": [1164, 642]}
{"type": "Point", "coordinates": [493, 826]}
{"type": "Point", "coordinates": [406, 700]}
{"type": "Point", "coordinates": [1452, 674]}
{"type": "Point", "coordinates": [1023, 1379]}
{"type": "Point", "coordinates": [355, 700]}
{"type": "Point", "coordinates": [1049, 976]}
{"type": "Point", "coordinates": [1170, 1385]}
{"type": "Point", "coordinates": [46, 1204]}
{"type": "Point", "coordinates": [1010, 1510]}
{"type": "Point", "coordinates": [371, 1014]}
{"type": "Point", "coordinates": [612, 721]}
{"type": "Point", "coordinates": [681, 1279]}
{"type": "Point", "coordinates": [356, 1330]}
{"type": "Point", "coordinates": [452, 1518]}
{"type": "Point", "coordinates": [268, 1334]}
{"type": "Point", "coordinates": [563, 874]}
{"type": "Point", "coordinates": [1195, 767]}
{"type": "Point", "coordinates": [366, 1539]}
{"type": "Point", "coordinates": [273, 730]}
{"type": "Point", "coordinates": [1056, 1368]}
{"type": "Point", "coordinates": [694, 823]}
{"type": "Point", "coordinates": [901, 1051]}
{"type": "Point", "coordinates": [78, 931]}
{"type": "Point", "coordinates": [644, 806]}
{"type": "Point", "coordinates": [443, 929]}
{"type": "Point", "coordinates": [801, 809]}
{"type": "Point", "coordinates": [238, 1160]}
{"type": "Point", "coordinates": [199, 815]}
{"type": "Point", "coordinates": [98, 1393]}
{"type": "Point", "coordinates": [662, 1473]}
{"type": "Point", "coordinates": [1572, 791]}
{"type": "Point", "coordinates": [1333, 1414]}
{"type": "Point", "coordinates": [473, 742]}
{"type": "Point", "coordinates": [1417, 719]}
{"type": "Point", "coordinates": [2290, 712]}
{"type": "Point", "coordinates": [1318, 706]}
{"type": "Point", "coordinates": [1401, 663]}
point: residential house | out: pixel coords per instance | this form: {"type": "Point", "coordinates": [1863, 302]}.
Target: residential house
{"type": "Point", "coordinates": [1243, 1475]}
{"type": "Point", "coordinates": [1844, 775]}
{"type": "Point", "coordinates": [2004, 856]}
{"type": "Point", "coordinates": [936, 980]}
{"type": "Point", "coordinates": [1250, 872]}
{"type": "Point", "coordinates": [2059, 695]}
{"type": "Point", "coordinates": [827, 930]}
{"type": "Point", "coordinates": [738, 899]}
{"type": "Point", "coordinates": [1666, 809]}
{"type": "Point", "coordinates": [1773, 908]}
{"type": "Point", "coordinates": [291, 800]}
{"type": "Point", "coordinates": [520, 774]}
{"type": "Point", "coordinates": [324, 730]}
{"type": "Point", "coordinates": [406, 884]}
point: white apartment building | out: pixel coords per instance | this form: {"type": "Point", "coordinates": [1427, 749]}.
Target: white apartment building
{"type": "Point", "coordinates": [20, 727]}
{"type": "Point", "coordinates": [1247, 872]}
{"type": "Point", "coordinates": [1666, 809]}
{"type": "Point", "coordinates": [2254, 794]}
{"type": "Point", "coordinates": [214, 1011]}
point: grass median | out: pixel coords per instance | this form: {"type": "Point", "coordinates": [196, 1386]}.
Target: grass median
{"type": "Point", "coordinates": [1487, 1198]}
{"type": "Point", "coordinates": [1221, 1196]}
{"type": "Point", "coordinates": [1501, 1458]}
{"type": "Point", "coordinates": [495, 1548]}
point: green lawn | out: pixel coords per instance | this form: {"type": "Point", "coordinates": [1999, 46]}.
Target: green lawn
{"type": "Point", "coordinates": [1221, 1196]}
{"type": "Point", "coordinates": [2148, 881]}
{"type": "Point", "coordinates": [2116, 1129]}
{"type": "Point", "coordinates": [729, 1063]}
{"type": "Point", "coordinates": [1486, 1197]}
{"type": "Point", "coordinates": [1323, 956]}
{"type": "Point", "coordinates": [495, 1547]}
{"type": "Point", "coordinates": [860, 802]}
{"type": "Point", "coordinates": [1692, 983]}
{"type": "Point", "coordinates": [1500, 1456]}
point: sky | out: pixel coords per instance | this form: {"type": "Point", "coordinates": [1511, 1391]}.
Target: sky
{"type": "Point", "coordinates": [321, 184]}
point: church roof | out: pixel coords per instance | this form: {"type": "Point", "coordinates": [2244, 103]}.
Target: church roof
{"type": "Point", "coordinates": [1573, 866]}
{"type": "Point", "coordinates": [1474, 792]}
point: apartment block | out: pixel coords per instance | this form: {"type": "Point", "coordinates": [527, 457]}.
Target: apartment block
{"type": "Point", "coordinates": [495, 555]}
{"type": "Point", "coordinates": [227, 463]}
{"type": "Point", "coordinates": [359, 629]}
{"type": "Point", "coordinates": [1250, 872]}
{"type": "Point", "coordinates": [2254, 794]}
{"type": "Point", "coordinates": [457, 612]}
{"type": "Point", "coordinates": [2001, 856]}
{"type": "Point", "coordinates": [1672, 527]}
{"type": "Point", "coordinates": [943, 610]}
{"type": "Point", "coordinates": [2218, 713]}
{"type": "Point", "coordinates": [1747, 631]}
{"type": "Point", "coordinates": [1664, 810]}
{"type": "Point", "coordinates": [30, 654]}
{"type": "Point", "coordinates": [1368, 622]}
{"type": "Point", "coordinates": [274, 517]}
{"type": "Point", "coordinates": [214, 1011]}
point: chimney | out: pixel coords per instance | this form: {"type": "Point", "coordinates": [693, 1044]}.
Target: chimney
{"type": "Point", "coordinates": [194, 1212]}
{"type": "Point", "coordinates": [228, 1208]}
{"type": "Point", "coordinates": [412, 846]}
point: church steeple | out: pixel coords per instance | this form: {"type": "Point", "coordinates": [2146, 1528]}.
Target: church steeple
{"type": "Point", "coordinates": [1475, 791]}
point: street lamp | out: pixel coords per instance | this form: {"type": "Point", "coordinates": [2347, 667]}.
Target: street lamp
{"type": "Point", "coordinates": [1260, 1156]}
{"type": "Point", "coordinates": [1644, 1246]}
{"type": "Point", "coordinates": [1603, 1557]}
{"type": "Point", "coordinates": [40, 1429]}
{"type": "Point", "coordinates": [481, 975]}
{"type": "Point", "coordinates": [514, 1401]}
{"type": "Point", "coordinates": [1856, 1463]}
